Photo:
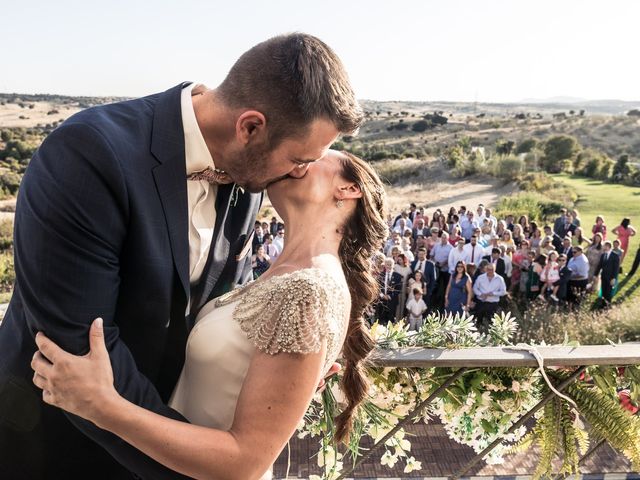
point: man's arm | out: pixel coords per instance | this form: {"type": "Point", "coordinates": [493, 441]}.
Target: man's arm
{"type": "Point", "coordinates": [71, 222]}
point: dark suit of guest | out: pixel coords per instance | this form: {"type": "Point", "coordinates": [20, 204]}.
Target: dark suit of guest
{"type": "Point", "coordinates": [563, 282]}
{"type": "Point", "coordinates": [386, 308]}
{"type": "Point", "coordinates": [608, 268]}
{"type": "Point", "coordinates": [557, 243]}
{"type": "Point", "coordinates": [567, 251]}
{"type": "Point", "coordinates": [422, 231]}
{"type": "Point", "coordinates": [101, 229]}
{"type": "Point", "coordinates": [430, 276]}
{"type": "Point", "coordinates": [256, 242]}
{"type": "Point", "coordinates": [501, 268]}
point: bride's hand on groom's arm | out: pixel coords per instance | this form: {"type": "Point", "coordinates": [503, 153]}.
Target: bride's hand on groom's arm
{"type": "Point", "coordinates": [81, 385]}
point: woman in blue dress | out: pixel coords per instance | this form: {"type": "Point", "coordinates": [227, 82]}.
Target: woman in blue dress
{"type": "Point", "coordinates": [459, 292]}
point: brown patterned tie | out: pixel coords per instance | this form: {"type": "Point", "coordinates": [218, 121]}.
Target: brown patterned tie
{"type": "Point", "coordinates": [216, 177]}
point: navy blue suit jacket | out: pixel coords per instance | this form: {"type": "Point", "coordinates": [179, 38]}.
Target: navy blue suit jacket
{"type": "Point", "coordinates": [101, 230]}
{"type": "Point", "coordinates": [430, 275]}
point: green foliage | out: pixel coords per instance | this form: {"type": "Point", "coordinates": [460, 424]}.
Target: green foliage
{"type": "Point", "coordinates": [608, 421]}
{"type": "Point", "coordinates": [436, 118]}
{"type": "Point", "coordinates": [421, 126]}
{"type": "Point", "coordinates": [7, 272]}
{"type": "Point", "coordinates": [520, 204]}
{"type": "Point", "coordinates": [589, 163]}
{"type": "Point", "coordinates": [9, 182]}
{"type": "Point", "coordinates": [6, 235]}
{"type": "Point", "coordinates": [526, 145]}
{"type": "Point", "coordinates": [556, 149]}
{"type": "Point", "coordinates": [622, 170]}
{"type": "Point", "coordinates": [505, 147]}
{"type": "Point", "coordinates": [509, 167]}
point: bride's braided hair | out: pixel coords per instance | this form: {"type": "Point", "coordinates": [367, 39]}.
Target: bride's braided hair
{"type": "Point", "coordinates": [364, 234]}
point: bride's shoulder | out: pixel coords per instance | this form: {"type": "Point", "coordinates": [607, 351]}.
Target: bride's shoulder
{"type": "Point", "coordinates": [295, 311]}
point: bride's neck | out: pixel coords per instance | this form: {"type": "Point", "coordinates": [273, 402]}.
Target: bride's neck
{"type": "Point", "coordinates": [306, 239]}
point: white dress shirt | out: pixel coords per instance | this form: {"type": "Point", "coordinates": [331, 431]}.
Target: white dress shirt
{"type": "Point", "coordinates": [473, 254]}
{"type": "Point", "coordinates": [456, 255]}
{"type": "Point", "coordinates": [201, 195]}
{"type": "Point", "coordinates": [494, 287]}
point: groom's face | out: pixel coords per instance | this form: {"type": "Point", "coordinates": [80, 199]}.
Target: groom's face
{"type": "Point", "coordinates": [259, 165]}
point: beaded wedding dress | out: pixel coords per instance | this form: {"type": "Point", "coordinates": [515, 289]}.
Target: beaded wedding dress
{"type": "Point", "coordinates": [293, 312]}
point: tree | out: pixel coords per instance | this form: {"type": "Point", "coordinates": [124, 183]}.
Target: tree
{"type": "Point", "coordinates": [420, 126]}
{"type": "Point", "coordinates": [526, 145]}
{"type": "Point", "coordinates": [504, 147]}
{"type": "Point", "coordinates": [557, 149]}
{"type": "Point", "coordinates": [622, 169]}
{"type": "Point", "coordinates": [634, 113]}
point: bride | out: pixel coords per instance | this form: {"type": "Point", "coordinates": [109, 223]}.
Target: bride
{"type": "Point", "coordinates": [256, 354]}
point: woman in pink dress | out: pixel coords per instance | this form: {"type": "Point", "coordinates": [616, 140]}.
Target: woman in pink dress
{"type": "Point", "coordinates": [518, 257]}
{"type": "Point", "coordinates": [624, 231]}
{"type": "Point", "coordinates": [600, 227]}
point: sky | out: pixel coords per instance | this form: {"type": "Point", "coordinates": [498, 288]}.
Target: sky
{"type": "Point", "coordinates": [457, 50]}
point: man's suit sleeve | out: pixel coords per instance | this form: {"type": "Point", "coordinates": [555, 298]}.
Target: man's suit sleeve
{"type": "Point", "coordinates": [71, 222]}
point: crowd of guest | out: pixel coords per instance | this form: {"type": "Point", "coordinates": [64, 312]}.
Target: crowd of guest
{"type": "Point", "coordinates": [467, 261]}
{"type": "Point", "coordinates": [470, 262]}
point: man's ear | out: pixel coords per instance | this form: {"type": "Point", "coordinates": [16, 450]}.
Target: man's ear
{"type": "Point", "coordinates": [250, 126]}
{"type": "Point", "coordinates": [349, 190]}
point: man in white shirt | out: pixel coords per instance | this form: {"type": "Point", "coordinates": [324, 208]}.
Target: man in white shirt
{"type": "Point", "coordinates": [488, 289]}
{"type": "Point", "coordinates": [473, 251]}
{"type": "Point", "coordinates": [492, 220]}
{"type": "Point", "coordinates": [278, 241]}
{"type": "Point", "coordinates": [456, 255]}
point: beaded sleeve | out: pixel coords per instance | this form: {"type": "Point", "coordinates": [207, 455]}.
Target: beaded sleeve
{"type": "Point", "coordinates": [294, 313]}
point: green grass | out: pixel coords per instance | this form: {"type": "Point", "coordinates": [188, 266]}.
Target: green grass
{"type": "Point", "coordinates": [613, 202]}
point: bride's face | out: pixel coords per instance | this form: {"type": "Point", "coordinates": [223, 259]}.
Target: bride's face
{"type": "Point", "coordinates": [317, 188]}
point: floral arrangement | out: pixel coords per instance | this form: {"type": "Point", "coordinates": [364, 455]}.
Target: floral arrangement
{"type": "Point", "coordinates": [481, 405]}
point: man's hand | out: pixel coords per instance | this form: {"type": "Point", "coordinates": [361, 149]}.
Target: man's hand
{"type": "Point", "coordinates": [335, 368]}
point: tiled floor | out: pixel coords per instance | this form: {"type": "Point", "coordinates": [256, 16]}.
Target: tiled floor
{"type": "Point", "coordinates": [440, 456]}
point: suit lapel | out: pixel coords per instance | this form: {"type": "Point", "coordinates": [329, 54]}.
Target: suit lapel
{"type": "Point", "coordinates": [167, 145]}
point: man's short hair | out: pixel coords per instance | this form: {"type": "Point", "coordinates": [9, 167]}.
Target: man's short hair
{"type": "Point", "coordinates": [607, 242]}
{"type": "Point", "coordinates": [496, 250]}
{"type": "Point", "coordinates": [293, 79]}
{"type": "Point", "coordinates": [577, 248]}
{"type": "Point", "coordinates": [422, 249]}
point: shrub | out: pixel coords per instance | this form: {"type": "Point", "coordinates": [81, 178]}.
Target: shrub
{"type": "Point", "coordinates": [504, 147]}
{"type": "Point", "coordinates": [622, 169]}
{"type": "Point", "coordinates": [526, 145]}
{"type": "Point", "coordinates": [420, 126]}
{"type": "Point", "coordinates": [7, 272]}
{"type": "Point", "coordinates": [6, 235]}
{"type": "Point", "coordinates": [10, 182]}
{"type": "Point", "coordinates": [509, 167]}
{"type": "Point", "coordinates": [556, 149]}
{"type": "Point", "coordinates": [520, 204]}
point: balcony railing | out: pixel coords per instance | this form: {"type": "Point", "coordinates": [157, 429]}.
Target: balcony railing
{"type": "Point", "coordinates": [577, 359]}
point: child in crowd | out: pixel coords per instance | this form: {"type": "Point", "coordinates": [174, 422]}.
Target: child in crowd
{"type": "Point", "coordinates": [550, 275]}
{"type": "Point", "coordinates": [416, 308]}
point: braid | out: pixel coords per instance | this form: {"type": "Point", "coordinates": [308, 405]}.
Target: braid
{"type": "Point", "coordinates": [364, 234]}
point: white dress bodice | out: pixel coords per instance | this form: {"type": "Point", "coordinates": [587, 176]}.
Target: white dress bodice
{"type": "Point", "coordinates": [293, 312]}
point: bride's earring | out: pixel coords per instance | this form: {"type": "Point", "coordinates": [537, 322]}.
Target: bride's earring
{"type": "Point", "coordinates": [339, 203]}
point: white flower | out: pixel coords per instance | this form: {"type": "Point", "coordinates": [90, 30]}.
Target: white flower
{"type": "Point", "coordinates": [515, 386]}
{"type": "Point", "coordinates": [412, 465]}
{"type": "Point", "coordinates": [388, 459]}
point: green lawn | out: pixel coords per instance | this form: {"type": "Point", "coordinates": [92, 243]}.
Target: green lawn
{"type": "Point", "coordinates": [613, 202]}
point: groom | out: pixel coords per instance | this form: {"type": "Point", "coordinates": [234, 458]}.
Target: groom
{"type": "Point", "coordinates": [108, 224]}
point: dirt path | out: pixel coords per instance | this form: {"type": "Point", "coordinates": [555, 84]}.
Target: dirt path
{"type": "Point", "coordinates": [435, 187]}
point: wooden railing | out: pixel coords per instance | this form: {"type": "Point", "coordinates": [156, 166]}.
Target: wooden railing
{"type": "Point", "coordinates": [465, 359]}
